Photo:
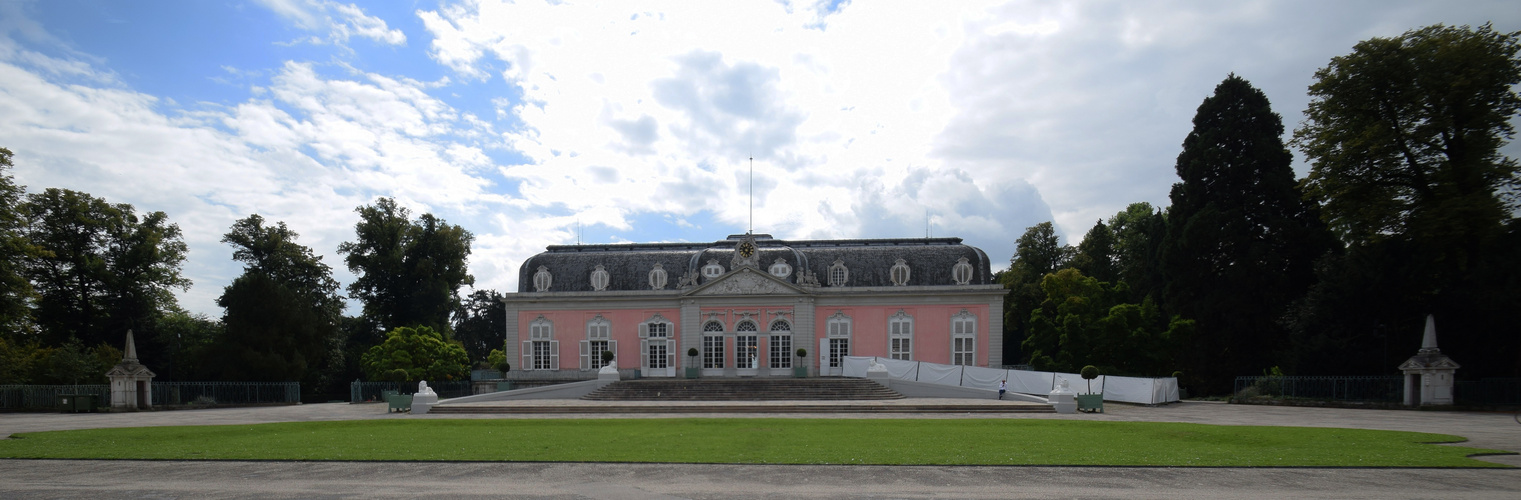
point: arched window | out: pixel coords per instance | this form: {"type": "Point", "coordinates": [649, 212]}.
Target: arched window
{"type": "Point", "coordinates": [964, 339]}
{"type": "Point", "coordinates": [542, 280]}
{"type": "Point", "coordinates": [899, 273]}
{"type": "Point", "coordinates": [900, 334]}
{"type": "Point", "coordinates": [599, 278]}
{"type": "Point", "coordinates": [713, 345]}
{"type": "Point", "coordinates": [962, 272]}
{"type": "Point", "coordinates": [541, 351]}
{"type": "Point", "coordinates": [781, 344]}
{"type": "Point", "coordinates": [839, 275]}
{"type": "Point", "coordinates": [657, 278]}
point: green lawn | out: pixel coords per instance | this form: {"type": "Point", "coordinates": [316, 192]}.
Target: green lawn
{"type": "Point", "coordinates": [762, 441]}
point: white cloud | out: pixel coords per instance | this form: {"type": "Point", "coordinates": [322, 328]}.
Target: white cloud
{"type": "Point", "coordinates": [339, 21]}
{"type": "Point", "coordinates": [864, 119]}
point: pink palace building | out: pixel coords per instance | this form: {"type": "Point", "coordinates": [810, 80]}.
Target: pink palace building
{"type": "Point", "coordinates": [749, 303]}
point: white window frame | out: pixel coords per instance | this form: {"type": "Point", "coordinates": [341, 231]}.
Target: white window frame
{"type": "Point", "coordinates": [543, 280]}
{"type": "Point", "coordinates": [653, 332]}
{"type": "Point", "coordinates": [600, 278]}
{"type": "Point", "coordinates": [713, 345]}
{"type": "Point", "coordinates": [541, 334]}
{"type": "Point", "coordinates": [712, 269]}
{"type": "Point", "coordinates": [900, 336]}
{"type": "Point", "coordinates": [837, 332]}
{"type": "Point", "coordinates": [780, 343]}
{"type": "Point", "coordinates": [962, 272]}
{"type": "Point", "coordinates": [899, 273]}
{"type": "Point", "coordinates": [839, 275]}
{"type": "Point", "coordinates": [598, 332]}
{"type": "Point", "coordinates": [780, 269]}
{"type": "Point", "coordinates": [964, 339]}
{"type": "Point", "coordinates": [657, 277]}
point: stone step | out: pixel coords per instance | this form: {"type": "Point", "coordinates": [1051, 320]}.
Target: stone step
{"type": "Point", "coordinates": [718, 389]}
{"type": "Point", "coordinates": [476, 409]}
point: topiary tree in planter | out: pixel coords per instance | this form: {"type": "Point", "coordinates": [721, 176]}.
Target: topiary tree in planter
{"type": "Point", "coordinates": [1089, 373]}
{"type": "Point", "coordinates": [802, 353]}
{"type": "Point", "coordinates": [692, 370]}
{"type": "Point", "coordinates": [607, 357]}
{"type": "Point", "coordinates": [800, 370]}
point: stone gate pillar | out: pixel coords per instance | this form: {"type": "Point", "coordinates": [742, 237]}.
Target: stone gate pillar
{"type": "Point", "coordinates": [131, 382]}
{"type": "Point", "coordinates": [1429, 375]}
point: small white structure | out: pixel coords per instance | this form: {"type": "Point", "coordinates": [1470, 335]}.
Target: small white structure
{"type": "Point", "coordinates": [878, 373]}
{"type": "Point", "coordinates": [608, 374]}
{"type": "Point", "coordinates": [1063, 399]}
{"type": "Point", "coordinates": [1429, 375]}
{"type": "Point", "coordinates": [131, 382]}
{"type": "Point", "coordinates": [425, 398]}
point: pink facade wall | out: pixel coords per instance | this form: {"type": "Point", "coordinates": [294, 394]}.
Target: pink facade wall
{"type": "Point", "coordinates": [570, 330]}
{"type": "Point", "coordinates": [932, 330]}
{"type": "Point", "coordinates": [869, 332]}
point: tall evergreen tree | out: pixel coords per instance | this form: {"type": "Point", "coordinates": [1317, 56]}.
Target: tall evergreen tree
{"type": "Point", "coordinates": [1240, 241]}
{"type": "Point", "coordinates": [407, 273]}
{"type": "Point", "coordinates": [1096, 254]}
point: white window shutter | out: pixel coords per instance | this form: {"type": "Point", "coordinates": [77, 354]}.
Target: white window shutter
{"type": "Point", "coordinates": [554, 355]}
{"type": "Point", "coordinates": [527, 356]}
{"type": "Point", "coordinates": [644, 347]}
{"type": "Point", "coordinates": [586, 355]}
{"type": "Point", "coordinates": [644, 330]}
{"type": "Point", "coordinates": [670, 353]}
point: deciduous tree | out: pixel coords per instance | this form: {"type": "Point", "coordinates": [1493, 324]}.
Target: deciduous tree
{"type": "Point", "coordinates": [411, 354]}
{"type": "Point", "coordinates": [481, 324]}
{"type": "Point", "coordinates": [282, 315]}
{"type": "Point", "coordinates": [100, 268]}
{"type": "Point", "coordinates": [15, 289]}
{"type": "Point", "coordinates": [1404, 134]}
{"type": "Point", "coordinates": [408, 273]}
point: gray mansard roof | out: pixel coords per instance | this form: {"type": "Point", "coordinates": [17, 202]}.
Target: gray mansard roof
{"type": "Point", "coordinates": [930, 261]}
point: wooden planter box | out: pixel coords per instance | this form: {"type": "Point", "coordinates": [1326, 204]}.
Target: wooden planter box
{"type": "Point", "coordinates": [1090, 402]}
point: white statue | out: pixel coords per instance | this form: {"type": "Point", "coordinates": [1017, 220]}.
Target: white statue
{"type": "Point", "coordinates": [422, 388]}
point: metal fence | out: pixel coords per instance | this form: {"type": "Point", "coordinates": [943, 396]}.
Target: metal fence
{"type": "Point", "coordinates": [225, 393]}
{"type": "Point", "coordinates": [45, 397]}
{"type": "Point", "coordinates": [360, 391]}
{"type": "Point", "coordinates": [41, 397]}
{"type": "Point", "coordinates": [1489, 392]}
{"type": "Point", "coordinates": [1371, 389]}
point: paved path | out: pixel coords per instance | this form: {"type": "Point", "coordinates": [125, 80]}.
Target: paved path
{"type": "Point", "coordinates": [177, 479]}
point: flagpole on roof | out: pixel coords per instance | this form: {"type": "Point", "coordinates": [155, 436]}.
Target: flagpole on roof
{"type": "Point", "coordinates": [752, 197]}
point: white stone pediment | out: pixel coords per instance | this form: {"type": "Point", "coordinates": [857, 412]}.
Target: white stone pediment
{"type": "Point", "coordinates": [746, 281]}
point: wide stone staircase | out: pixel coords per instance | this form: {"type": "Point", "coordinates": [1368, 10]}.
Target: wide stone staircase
{"type": "Point", "coordinates": [729, 395]}
{"type": "Point", "coordinates": [720, 389]}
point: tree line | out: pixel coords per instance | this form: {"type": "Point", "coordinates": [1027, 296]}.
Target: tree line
{"type": "Point", "coordinates": [1409, 209]}
{"type": "Point", "coordinates": [78, 272]}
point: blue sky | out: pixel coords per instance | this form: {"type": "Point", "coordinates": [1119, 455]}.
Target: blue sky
{"type": "Point", "coordinates": [538, 123]}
